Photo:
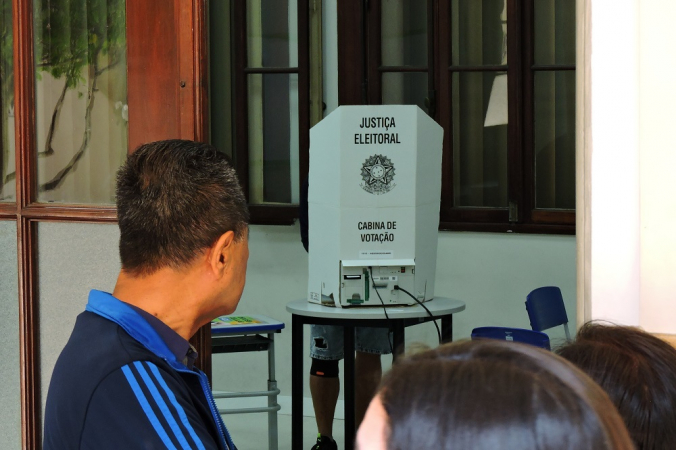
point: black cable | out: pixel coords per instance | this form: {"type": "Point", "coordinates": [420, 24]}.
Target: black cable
{"type": "Point", "coordinates": [421, 304]}
{"type": "Point", "coordinates": [384, 310]}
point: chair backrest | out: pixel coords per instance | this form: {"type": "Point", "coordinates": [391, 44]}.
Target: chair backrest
{"type": "Point", "coordinates": [546, 309]}
{"type": "Point", "coordinates": [536, 338]}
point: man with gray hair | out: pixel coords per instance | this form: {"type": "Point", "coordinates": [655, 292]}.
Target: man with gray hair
{"type": "Point", "coordinates": [126, 378]}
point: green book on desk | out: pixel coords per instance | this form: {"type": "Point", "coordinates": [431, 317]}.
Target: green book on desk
{"type": "Point", "coordinates": [233, 320]}
{"type": "Point", "coordinates": [232, 323]}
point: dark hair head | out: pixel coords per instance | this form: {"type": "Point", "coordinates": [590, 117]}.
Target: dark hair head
{"type": "Point", "coordinates": [488, 395]}
{"type": "Point", "coordinates": [638, 371]}
{"type": "Point", "coordinates": [175, 198]}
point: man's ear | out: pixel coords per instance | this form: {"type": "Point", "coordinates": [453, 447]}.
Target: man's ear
{"type": "Point", "coordinates": [220, 253]}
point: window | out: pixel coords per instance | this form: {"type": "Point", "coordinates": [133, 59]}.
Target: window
{"type": "Point", "coordinates": [499, 76]}
{"type": "Point", "coordinates": [7, 155]}
{"type": "Point", "coordinates": [81, 99]}
{"type": "Point", "coordinates": [84, 81]}
{"type": "Point", "coordinates": [260, 72]}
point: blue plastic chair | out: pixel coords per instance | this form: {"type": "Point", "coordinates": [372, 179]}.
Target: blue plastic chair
{"type": "Point", "coordinates": [536, 338]}
{"type": "Point", "coordinates": [546, 309]}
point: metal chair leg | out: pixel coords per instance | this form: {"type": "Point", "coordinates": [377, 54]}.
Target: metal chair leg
{"type": "Point", "coordinates": [272, 399]}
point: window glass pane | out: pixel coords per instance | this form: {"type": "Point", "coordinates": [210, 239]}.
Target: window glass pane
{"type": "Point", "coordinates": [81, 98]}
{"type": "Point", "coordinates": [272, 33]}
{"type": "Point", "coordinates": [10, 413]}
{"type": "Point", "coordinates": [273, 138]}
{"type": "Point", "coordinates": [479, 102]}
{"type": "Point", "coordinates": [555, 139]}
{"type": "Point", "coordinates": [404, 33]}
{"type": "Point", "coordinates": [7, 174]}
{"type": "Point", "coordinates": [555, 32]}
{"type": "Point", "coordinates": [220, 72]}
{"type": "Point", "coordinates": [84, 254]}
{"type": "Point", "coordinates": [478, 32]}
{"type": "Point", "coordinates": [405, 88]}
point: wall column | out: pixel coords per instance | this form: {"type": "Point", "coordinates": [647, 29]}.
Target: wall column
{"type": "Point", "coordinates": [608, 162]}
{"type": "Point", "coordinates": [626, 190]}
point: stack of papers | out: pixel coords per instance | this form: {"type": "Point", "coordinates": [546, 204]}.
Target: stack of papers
{"type": "Point", "coordinates": [225, 321]}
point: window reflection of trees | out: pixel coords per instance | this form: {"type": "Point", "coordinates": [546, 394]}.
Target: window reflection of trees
{"type": "Point", "coordinates": [80, 63]}
{"type": "Point", "coordinates": [7, 175]}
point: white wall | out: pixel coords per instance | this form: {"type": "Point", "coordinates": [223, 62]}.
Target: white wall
{"type": "Point", "coordinates": [657, 90]}
{"type": "Point", "coordinates": [492, 273]}
{"type": "Point", "coordinates": [627, 244]}
{"type": "Point", "coordinates": [614, 162]}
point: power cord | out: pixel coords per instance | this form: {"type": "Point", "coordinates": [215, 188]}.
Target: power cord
{"type": "Point", "coordinates": [396, 287]}
{"type": "Point", "coordinates": [373, 283]}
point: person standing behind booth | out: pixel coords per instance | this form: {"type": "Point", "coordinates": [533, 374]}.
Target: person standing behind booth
{"type": "Point", "coordinates": [125, 379]}
{"type": "Point", "coordinates": [326, 349]}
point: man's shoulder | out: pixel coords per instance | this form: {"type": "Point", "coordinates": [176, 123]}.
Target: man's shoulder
{"type": "Point", "coordinates": [98, 348]}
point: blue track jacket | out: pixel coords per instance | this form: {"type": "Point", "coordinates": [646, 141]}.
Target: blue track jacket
{"type": "Point", "coordinates": [116, 385]}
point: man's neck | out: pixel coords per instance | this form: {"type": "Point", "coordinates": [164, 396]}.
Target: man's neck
{"type": "Point", "coordinates": [167, 295]}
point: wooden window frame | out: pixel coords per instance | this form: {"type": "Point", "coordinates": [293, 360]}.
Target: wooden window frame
{"type": "Point", "coordinates": [270, 214]}
{"type": "Point", "coordinates": [167, 97]}
{"type": "Point", "coordinates": [359, 82]}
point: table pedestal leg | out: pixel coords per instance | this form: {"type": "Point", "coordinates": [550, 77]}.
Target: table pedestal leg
{"type": "Point", "coordinates": [398, 338]}
{"type": "Point", "coordinates": [296, 383]}
{"type": "Point", "coordinates": [447, 328]}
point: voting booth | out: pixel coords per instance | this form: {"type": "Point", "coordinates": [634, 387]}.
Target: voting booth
{"type": "Point", "coordinates": [373, 206]}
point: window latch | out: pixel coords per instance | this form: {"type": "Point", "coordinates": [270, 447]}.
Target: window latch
{"type": "Point", "coordinates": [431, 102]}
{"type": "Point", "coordinates": [513, 212]}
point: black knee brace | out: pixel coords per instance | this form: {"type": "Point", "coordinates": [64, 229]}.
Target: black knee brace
{"type": "Point", "coordinates": [325, 368]}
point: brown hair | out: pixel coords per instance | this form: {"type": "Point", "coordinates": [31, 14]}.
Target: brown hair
{"type": "Point", "coordinates": [487, 394]}
{"type": "Point", "coordinates": [638, 371]}
{"type": "Point", "coordinates": [174, 199]}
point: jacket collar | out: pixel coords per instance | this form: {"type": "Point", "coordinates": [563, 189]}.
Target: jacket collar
{"type": "Point", "coordinates": [109, 307]}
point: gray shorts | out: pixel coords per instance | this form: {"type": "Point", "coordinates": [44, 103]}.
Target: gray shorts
{"type": "Point", "coordinates": [327, 341]}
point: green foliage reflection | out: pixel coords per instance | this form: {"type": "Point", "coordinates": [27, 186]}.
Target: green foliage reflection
{"type": "Point", "coordinates": [6, 90]}
{"type": "Point", "coordinates": [76, 41]}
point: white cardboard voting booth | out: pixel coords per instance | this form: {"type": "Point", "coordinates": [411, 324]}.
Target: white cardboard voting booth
{"type": "Point", "coordinates": [373, 205]}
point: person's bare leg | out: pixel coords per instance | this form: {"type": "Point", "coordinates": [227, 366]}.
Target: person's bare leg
{"type": "Point", "coordinates": [324, 393]}
{"type": "Point", "coordinates": [368, 372]}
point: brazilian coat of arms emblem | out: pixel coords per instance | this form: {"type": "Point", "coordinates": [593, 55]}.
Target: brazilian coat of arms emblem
{"type": "Point", "coordinates": [377, 174]}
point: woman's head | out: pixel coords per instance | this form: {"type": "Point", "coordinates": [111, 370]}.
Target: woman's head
{"type": "Point", "coordinates": [491, 395]}
{"type": "Point", "coordinates": [638, 372]}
